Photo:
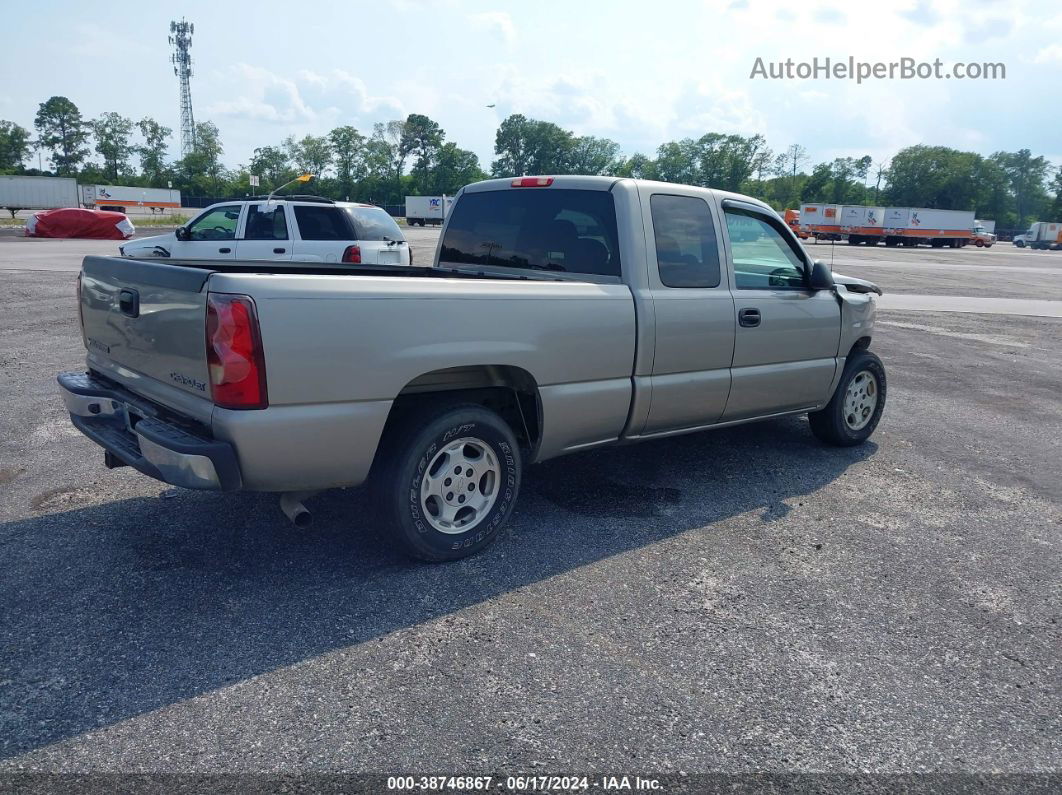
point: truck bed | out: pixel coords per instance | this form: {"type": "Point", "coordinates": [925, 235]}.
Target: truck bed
{"type": "Point", "coordinates": [340, 345]}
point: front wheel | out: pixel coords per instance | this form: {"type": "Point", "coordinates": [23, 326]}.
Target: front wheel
{"type": "Point", "coordinates": [448, 481]}
{"type": "Point", "coordinates": [855, 408]}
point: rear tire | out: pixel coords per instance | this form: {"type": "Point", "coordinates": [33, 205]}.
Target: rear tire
{"type": "Point", "coordinates": [435, 509]}
{"type": "Point", "coordinates": [855, 408]}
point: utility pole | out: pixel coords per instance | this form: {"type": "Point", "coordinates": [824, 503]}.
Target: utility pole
{"type": "Point", "coordinates": [181, 41]}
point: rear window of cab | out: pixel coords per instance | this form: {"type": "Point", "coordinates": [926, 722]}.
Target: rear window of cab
{"type": "Point", "coordinates": [548, 229]}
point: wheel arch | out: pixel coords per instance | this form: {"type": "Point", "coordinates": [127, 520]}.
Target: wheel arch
{"type": "Point", "coordinates": [510, 391]}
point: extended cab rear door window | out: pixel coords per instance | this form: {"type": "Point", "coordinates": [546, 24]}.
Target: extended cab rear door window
{"type": "Point", "coordinates": [687, 254]}
{"type": "Point", "coordinates": [547, 229]}
{"type": "Point", "coordinates": [322, 223]}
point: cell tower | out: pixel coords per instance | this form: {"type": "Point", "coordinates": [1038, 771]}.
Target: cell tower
{"type": "Point", "coordinates": [181, 41]}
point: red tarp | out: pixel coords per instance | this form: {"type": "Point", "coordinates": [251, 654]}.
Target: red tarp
{"type": "Point", "coordinates": [76, 222]}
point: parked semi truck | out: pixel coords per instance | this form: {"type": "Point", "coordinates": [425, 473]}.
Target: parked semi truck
{"type": "Point", "coordinates": [1041, 235]}
{"type": "Point", "coordinates": [122, 197]}
{"type": "Point", "coordinates": [427, 209]}
{"type": "Point", "coordinates": [792, 220]}
{"type": "Point", "coordinates": [37, 193]}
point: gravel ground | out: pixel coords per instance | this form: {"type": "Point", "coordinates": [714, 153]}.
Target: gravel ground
{"type": "Point", "coordinates": [741, 600]}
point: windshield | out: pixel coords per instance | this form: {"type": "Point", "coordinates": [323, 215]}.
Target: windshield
{"type": "Point", "coordinates": [373, 223]}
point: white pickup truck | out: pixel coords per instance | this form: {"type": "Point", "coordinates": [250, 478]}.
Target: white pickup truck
{"type": "Point", "coordinates": [561, 314]}
{"type": "Point", "coordinates": [295, 228]}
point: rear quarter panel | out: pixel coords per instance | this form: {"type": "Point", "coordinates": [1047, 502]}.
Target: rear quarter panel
{"type": "Point", "coordinates": [339, 349]}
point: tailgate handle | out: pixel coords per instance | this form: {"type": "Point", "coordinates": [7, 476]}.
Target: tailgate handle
{"type": "Point", "coordinates": [225, 250]}
{"type": "Point", "coordinates": [279, 250]}
{"type": "Point", "coordinates": [129, 302]}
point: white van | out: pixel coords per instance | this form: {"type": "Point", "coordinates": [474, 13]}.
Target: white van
{"type": "Point", "coordinates": [296, 228]}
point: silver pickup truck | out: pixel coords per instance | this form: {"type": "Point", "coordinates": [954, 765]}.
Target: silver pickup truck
{"type": "Point", "coordinates": [560, 314]}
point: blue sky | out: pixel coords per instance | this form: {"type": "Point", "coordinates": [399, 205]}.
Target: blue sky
{"type": "Point", "coordinates": [638, 72]}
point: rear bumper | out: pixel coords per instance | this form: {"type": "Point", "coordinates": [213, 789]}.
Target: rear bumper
{"type": "Point", "coordinates": [134, 431]}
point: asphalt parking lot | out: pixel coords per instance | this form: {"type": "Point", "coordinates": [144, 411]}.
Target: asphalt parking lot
{"type": "Point", "coordinates": [740, 600]}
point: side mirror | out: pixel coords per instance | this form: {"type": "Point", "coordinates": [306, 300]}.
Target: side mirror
{"type": "Point", "coordinates": [821, 277]}
{"type": "Point", "coordinates": [181, 233]}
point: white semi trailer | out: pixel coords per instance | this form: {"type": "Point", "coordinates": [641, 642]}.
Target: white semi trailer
{"type": "Point", "coordinates": [427, 209]}
{"type": "Point", "coordinates": [123, 198]}
{"type": "Point", "coordinates": [37, 193]}
{"type": "Point", "coordinates": [862, 224]}
{"type": "Point", "coordinates": [911, 226]}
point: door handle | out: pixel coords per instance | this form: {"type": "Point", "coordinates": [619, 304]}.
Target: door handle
{"type": "Point", "coordinates": [225, 250]}
{"type": "Point", "coordinates": [749, 317]}
{"type": "Point", "coordinates": [279, 250]}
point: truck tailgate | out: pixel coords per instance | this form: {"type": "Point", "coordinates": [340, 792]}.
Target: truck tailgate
{"type": "Point", "coordinates": [145, 322]}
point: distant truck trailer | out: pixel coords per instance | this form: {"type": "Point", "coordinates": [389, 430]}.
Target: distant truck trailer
{"type": "Point", "coordinates": [1041, 235]}
{"type": "Point", "coordinates": [37, 193]}
{"type": "Point", "coordinates": [427, 209]}
{"type": "Point", "coordinates": [862, 224]}
{"type": "Point", "coordinates": [821, 221]}
{"type": "Point", "coordinates": [911, 226]}
{"type": "Point", "coordinates": [122, 197]}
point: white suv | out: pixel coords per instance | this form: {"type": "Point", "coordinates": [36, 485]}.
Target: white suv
{"type": "Point", "coordinates": [297, 228]}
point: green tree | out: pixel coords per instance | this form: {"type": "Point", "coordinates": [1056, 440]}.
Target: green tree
{"type": "Point", "coordinates": [112, 131]}
{"type": "Point", "coordinates": [1056, 205]}
{"type": "Point", "coordinates": [454, 168]}
{"type": "Point", "coordinates": [311, 155]}
{"type": "Point", "coordinates": [1026, 175]}
{"type": "Point", "coordinates": [590, 155]}
{"type": "Point", "coordinates": [421, 137]}
{"type": "Point", "coordinates": [676, 161]}
{"type": "Point", "coordinates": [61, 129]}
{"type": "Point", "coordinates": [816, 187]}
{"type": "Point", "coordinates": [348, 150]}
{"type": "Point", "coordinates": [934, 176]}
{"type": "Point", "coordinates": [14, 146]}
{"type": "Point", "coordinates": [527, 146]}
{"type": "Point", "coordinates": [272, 164]}
{"type": "Point", "coordinates": [202, 171]}
{"type": "Point", "coordinates": [637, 166]}
{"type": "Point", "coordinates": [153, 150]}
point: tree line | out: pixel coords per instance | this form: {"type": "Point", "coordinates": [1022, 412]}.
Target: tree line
{"type": "Point", "coordinates": [412, 156]}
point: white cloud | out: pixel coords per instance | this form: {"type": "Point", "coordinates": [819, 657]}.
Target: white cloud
{"type": "Point", "coordinates": [307, 98]}
{"type": "Point", "coordinates": [1052, 53]}
{"type": "Point", "coordinates": [495, 22]}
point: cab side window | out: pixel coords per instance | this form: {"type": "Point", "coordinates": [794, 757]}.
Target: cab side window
{"type": "Point", "coordinates": [266, 223]}
{"type": "Point", "coordinates": [687, 254]}
{"type": "Point", "coordinates": [764, 258]}
{"type": "Point", "coordinates": [218, 224]}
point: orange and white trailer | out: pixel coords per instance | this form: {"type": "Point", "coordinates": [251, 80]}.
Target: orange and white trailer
{"type": "Point", "coordinates": [911, 226]}
{"type": "Point", "coordinates": [126, 197]}
{"type": "Point", "coordinates": [862, 224]}
{"type": "Point", "coordinates": [821, 221]}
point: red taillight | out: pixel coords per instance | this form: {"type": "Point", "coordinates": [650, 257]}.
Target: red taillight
{"type": "Point", "coordinates": [352, 254]}
{"type": "Point", "coordinates": [532, 182]}
{"type": "Point", "coordinates": [234, 352]}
